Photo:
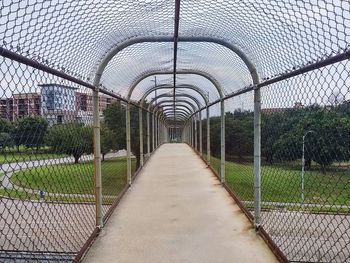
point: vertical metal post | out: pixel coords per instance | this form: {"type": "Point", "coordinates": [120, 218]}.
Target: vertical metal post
{"type": "Point", "coordinates": [188, 133]}
{"type": "Point", "coordinates": [195, 133]}
{"type": "Point", "coordinates": [141, 136]}
{"type": "Point", "coordinates": [257, 157]}
{"type": "Point", "coordinates": [158, 127]}
{"type": "Point", "coordinates": [200, 134]}
{"type": "Point", "coordinates": [148, 135]}
{"type": "Point", "coordinates": [128, 144]}
{"type": "Point", "coordinates": [191, 132]}
{"type": "Point", "coordinates": [303, 169]}
{"type": "Point", "coordinates": [97, 159]}
{"type": "Point", "coordinates": [208, 136]}
{"type": "Point", "coordinates": [153, 130]}
{"type": "Point", "coordinates": [160, 132]}
{"type": "Point", "coordinates": [222, 164]}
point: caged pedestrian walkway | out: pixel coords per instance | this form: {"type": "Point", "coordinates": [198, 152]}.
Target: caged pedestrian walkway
{"type": "Point", "coordinates": [175, 130]}
{"type": "Point", "coordinates": [191, 218]}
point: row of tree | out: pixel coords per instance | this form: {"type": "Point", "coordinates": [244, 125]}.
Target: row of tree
{"type": "Point", "coordinates": [282, 133]}
{"type": "Point", "coordinates": [327, 141]}
{"type": "Point", "coordinates": [73, 139]}
{"type": "Point", "coordinates": [29, 132]}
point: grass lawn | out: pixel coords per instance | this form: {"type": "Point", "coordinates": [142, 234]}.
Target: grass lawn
{"type": "Point", "coordinates": [30, 196]}
{"type": "Point", "coordinates": [12, 155]}
{"type": "Point", "coordinates": [282, 184]}
{"type": "Point", "coordinates": [74, 178]}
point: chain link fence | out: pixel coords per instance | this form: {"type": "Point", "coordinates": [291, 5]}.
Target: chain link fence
{"type": "Point", "coordinates": [46, 171]}
{"type": "Point", "coordinates": [305, 161]}
{"type": "Point", "coordinates": [54, 57]}
{"type": "Point", "coordinates": [47, 192]}
{"type": "Point", "coordinates": [305, 165]}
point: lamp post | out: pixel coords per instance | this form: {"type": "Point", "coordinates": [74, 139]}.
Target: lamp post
{"type": "Point", "coordinates": [303, 168]}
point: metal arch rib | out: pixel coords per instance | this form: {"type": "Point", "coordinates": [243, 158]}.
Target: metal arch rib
{"type": "Point", "coordinates": [182, 108]}
{"type": "Point", "coordinates": [165, 86]}
{"type": "Point", "coordinates": [113, 52]}
{"type": "Point", "coordinates": [182, 72]}
{"type": "Point", "coordinates": [178, 100]}
{"type": "Point", "coordinates": [191, 107]}
{"type": "Point", "coordinates": [179, 95]}
{"type": "Point", "coordinates": [180, 111]}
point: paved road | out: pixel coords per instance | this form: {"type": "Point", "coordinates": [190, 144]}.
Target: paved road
{"type": "Point", "coordinates": [35, 226]}
{"type": "Point", "coordinates": [310, 237]}
{"type": "Point", "coordinates": [42, 226]}
{"type": "Point", "coordinates": [279, 205]}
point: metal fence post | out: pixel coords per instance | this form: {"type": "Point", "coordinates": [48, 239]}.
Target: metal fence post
{"type": "Point", "coordinates": [191, 132]}
{"type": "Point", "coordinates": [141, 135]}
{"type": "Point", "coordinates": [195, 133]}
{"type": "Point", "coordinates": [200, 134]}
{"type": "Point", "coordinates": [148, 135]}
{"type": "Point", "coordinates": [157, 123]}
{"type": "Point", "coordinates": [208, 135]}
{"type": "Point", "coordinates": [222, 164]}
{"type": "Point", "coordinates": [128, 144]}
{"type": "Point", "coordinates": [97, 158]}
{"type": "Point", "coordinates": [153, 132]}
{"type": "Point", "coordinates": [157, 130]}
{"type": "Point", "coordinates": [257, 157]}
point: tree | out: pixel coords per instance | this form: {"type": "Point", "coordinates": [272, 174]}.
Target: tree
{"type": "Point", "coordinates": [115, 119]}
{"type": "Point", "coordinates": [5, 126]}
{"type": "Point", "coordinates": [328, 142]}
{"type": "Point", "coordinates": [108, 140]}
{"type": "Point", "coordinates": [6, 129]}
{"type": "Point", "coordinates": [71, 138]}
{"type": "Point", "coordinates": [239, 133]}
{"type": "Point", "coordinates": [5, 140]}
{"type": "Point", "coordinates": [215, 138]}
{"type": "Point", "coordinates": [30, 132]}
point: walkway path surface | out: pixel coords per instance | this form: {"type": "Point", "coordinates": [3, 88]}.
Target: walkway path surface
{"type": "Point", "coordinates": [177, 211]}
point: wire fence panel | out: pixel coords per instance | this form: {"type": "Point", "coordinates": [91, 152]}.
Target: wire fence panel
{"type": "Point", "coordinates": [113, 149]}
{"type": "Point", "coordinates": [135, 139]}
{"type": "Point", "coordinates": [239, 146]}
{"type": "Point", "coordinates": [144, 133]}
{"type": "Point", "coordinates": [306, 172]}
{"type": "Point", "coordinates": [215, 140]}
{"type": "Point", "coordinates": [47, 206]}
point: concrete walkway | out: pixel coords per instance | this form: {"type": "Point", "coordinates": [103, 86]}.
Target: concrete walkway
{"type": "Point", "coordinates": [177, 211]}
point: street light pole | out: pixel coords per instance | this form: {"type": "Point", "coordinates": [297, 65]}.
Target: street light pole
{"type": "Point", "coordinates": [303, 169]}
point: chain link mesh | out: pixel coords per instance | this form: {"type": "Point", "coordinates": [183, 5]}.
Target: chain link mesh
{"type": "Point", "coordinates": [306, 202]}
{"type": "Point", "coordinates": [47, 209]}
{"type": "Point", "coordinates": [47, 204]}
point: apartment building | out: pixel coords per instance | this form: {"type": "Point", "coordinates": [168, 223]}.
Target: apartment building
{"type": "Point", "coordinates": [56, 103]}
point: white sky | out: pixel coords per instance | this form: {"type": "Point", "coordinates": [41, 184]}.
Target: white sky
{"type": "Point", "coordinates": [76, 34]}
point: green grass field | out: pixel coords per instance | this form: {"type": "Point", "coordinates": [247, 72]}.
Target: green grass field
{"type": "Point", "coordinates": [282, 184]}
{"type": "Point", "coordinates": [12, 155]}
{"type": "Point", "coordinates": [279, 183]}
{"type": "Point", "coordinates": [70, 179]}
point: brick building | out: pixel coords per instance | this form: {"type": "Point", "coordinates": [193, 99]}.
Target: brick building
{"type": "Point", "coordinates": [25, 104]}
{"type": "Point", "coordinates": [6, 109]}
{"type": "Point", "coordinates": [56, 103]}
